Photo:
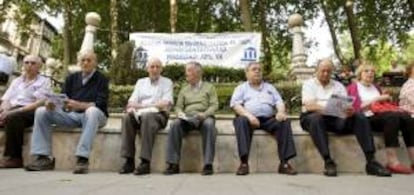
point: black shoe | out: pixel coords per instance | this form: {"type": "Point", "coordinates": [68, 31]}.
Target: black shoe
{"type": "Point", "coordinates": [172, 169]}
{"type": "Point", "coordinates": [142, 169]}
{"type": "Point", "coordinates": [41, 163]}
{"type": "Point", "coordinates": [82, 165]}
{"type": "Point", "coordinates": [207, 170]}
{"type": "Point", "coordinates": [286, 168]}
{"type": "Point", "coordinates": [375, 168]}
{"type": "Point", "coordinates": [243, 169]}
{"type": "Point", "coordinates": [330, 168]}
{"type": "Point", "coordinates": [128, 167]}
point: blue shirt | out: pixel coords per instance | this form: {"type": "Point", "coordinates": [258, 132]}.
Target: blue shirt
{"type": "Point", "coordinates": [259, 102]}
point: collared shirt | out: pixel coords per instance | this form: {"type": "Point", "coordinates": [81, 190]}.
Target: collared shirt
{"type": "Point", "coordinates": [313, 91]}
{"type": "Point", "coordinates": [149, 92]}
{"type": "Point", "coordinates": [259, 102]}
{"type": "Point", "coordinates": [407, 96]}
{"type": "Point", "coordinates": [197, 86]}
{"type": "Point", "coordinates": [86, 77]}
{"type": "Point", "coordinates": [22, 92]}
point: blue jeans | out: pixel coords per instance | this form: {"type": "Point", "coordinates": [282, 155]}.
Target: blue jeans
{"type": "Point", "coordinates": [90, 120]}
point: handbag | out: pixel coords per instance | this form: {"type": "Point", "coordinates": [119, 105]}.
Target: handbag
{"type": "Point", "coordinates": [378, 107]}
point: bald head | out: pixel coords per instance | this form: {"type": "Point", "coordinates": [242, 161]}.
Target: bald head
{"type": "Point", "coordinates": [324, 71]}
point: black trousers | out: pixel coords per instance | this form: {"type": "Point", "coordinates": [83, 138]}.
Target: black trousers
{"type": "Point", "coordinates": [15, 126]}
{"type": "Point", "coordinates": [281, 130]}
{"type": "Point", "coordinates": [390, 123]}
{"type": "Point", "coordinates": [318, 125]}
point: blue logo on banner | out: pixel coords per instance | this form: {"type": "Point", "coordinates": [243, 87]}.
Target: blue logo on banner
{"type": "Point", "coordinates": [249, 54]}
{"type": "Point", "coordinates": [141, 57]}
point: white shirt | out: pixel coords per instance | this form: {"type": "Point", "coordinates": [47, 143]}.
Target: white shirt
{"type": "Point", "coordinates": [22, 92]}
{"type": "Point", "coordinates": [367, 94]}
{"type": "Point", "coordinates": [313, 91]}
{"type": "Point", "coordinates": [148, 93]}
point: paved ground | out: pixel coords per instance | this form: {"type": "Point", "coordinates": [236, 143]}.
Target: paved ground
{"type": "Point", "coordinates": [18, 182]}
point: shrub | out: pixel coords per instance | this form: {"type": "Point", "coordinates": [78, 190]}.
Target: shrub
{"type": "Point", "coordinates": [289, 91]}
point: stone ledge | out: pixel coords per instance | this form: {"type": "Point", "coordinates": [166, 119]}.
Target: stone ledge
{"type": "Point", "coordinates": [106, 150]}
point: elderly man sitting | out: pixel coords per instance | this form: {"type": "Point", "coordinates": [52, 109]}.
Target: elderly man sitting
{"type": "Point", "coordinates": [197, 101]}
{"type": "Point", "coordinates": [85, 107]}
{"type": "Point", "coordinates": [18, 106]}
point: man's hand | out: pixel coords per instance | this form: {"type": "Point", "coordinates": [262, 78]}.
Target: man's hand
{"type": "Point", "coordinates": [4, 115]}
{"type": "Point", "coordinates": [162, 104]}
{"type": "Point", "coordinates": [254, 122]}
{"type": "Point", "coordinates": [281, 116]}
{"type": "Point", "coordinates": [181, 115]}
{"type": "Point", "coordinates": [73, 105]}
{"type": "Point", "coordinates": [201, 115]}
{"type": "Point", "coordinates": [131, 107]}
{"type": "Point", "coordinates": [349, 111]}
{"type": "Point", "coordinates": [49, 105]}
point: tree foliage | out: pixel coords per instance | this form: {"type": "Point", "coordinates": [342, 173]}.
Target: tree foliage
{"type": "Point", "coordinates": [385, 21]}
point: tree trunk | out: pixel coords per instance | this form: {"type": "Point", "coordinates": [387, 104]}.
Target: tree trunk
{"type": "Point", "coordinates": [411, 4]}
{"type": "Point", "coordinates": [114, 30]}
{"type": "Point", "coordinates": [173, 15]}
{"type": "Point", "coordinates": [353, 28]}
{"type": "Point", "coordinates": [330, 23]}
{"type": "Point", "coordinates": [267, 67]}
{"type": "Point", "coordinates": [67, 36]}
{"type": "Point", "coordinates": [246, 18]}
{"type": "Point", "coordinates": [203, 6]}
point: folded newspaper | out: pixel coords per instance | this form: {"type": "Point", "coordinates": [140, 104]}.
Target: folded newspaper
{"type": "Point", "coordinates": [337, 105]}
{"type": "Point", "coordinates": [141, 111]}
{"type": "Point", "coordinates": [190, 119]}
{"type": "Point", "coordinates": [58, 99]}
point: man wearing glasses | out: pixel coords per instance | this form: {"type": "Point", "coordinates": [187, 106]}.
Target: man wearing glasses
{"type": "Point", "coordinates": [85, 107]}
{"type": "Point", "coordinates": [18, 106]}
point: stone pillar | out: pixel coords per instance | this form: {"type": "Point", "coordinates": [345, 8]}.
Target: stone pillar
{"type": "Point", "coordinates": [299, 69]}
{"type": "Point", "coordinates": [92, 20]}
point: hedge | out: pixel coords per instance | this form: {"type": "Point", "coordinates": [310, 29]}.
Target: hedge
{"type": "Point", "coordinates": [289, 91]}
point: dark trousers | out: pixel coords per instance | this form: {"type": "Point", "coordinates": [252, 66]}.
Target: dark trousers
{"type": "Point", "coordinates": [281, 130]}
{"type": "Point", "coordinates": [390, 123]}
{"type": "Point", "coordinates": [179, 128]}
{"type": "Point", "coordinates": [15, 126]}
{"type": "Point", "coordinates": [147, 128]}
{"type": "Point", "coordinates": [317, 125]}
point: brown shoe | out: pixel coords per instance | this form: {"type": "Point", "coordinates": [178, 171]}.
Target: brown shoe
{"type": "Point", "coordinates": [243, 169]}
{"type": "Point", "coordinates": [11, 163]}
{"type": "Point", "coordinates": [287, 169]}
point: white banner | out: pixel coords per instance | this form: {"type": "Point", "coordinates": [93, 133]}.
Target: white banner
{"type": "Point", "coordinates": [222, 49]}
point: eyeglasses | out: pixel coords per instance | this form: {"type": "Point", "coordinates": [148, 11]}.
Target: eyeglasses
{"type": "Point", "coordinates": [86, 60]}
{"type": "Point", "coordinates": [30, 62]}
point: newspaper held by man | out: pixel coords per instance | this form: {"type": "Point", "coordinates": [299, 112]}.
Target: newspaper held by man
{"type": "Point", "coordinates": [139, 112]}
{"type": "Point", "coordinates": [193, 119]}
{"type": "Point", "coordinates": [337, 105]}
{"type": "Point", "coordinates": [58, 99]}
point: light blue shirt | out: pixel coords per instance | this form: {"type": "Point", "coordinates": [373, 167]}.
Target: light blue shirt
{"type": "Point", "coordinates": [259, 102]}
